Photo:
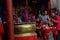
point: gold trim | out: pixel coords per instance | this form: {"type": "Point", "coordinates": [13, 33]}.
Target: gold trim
{"type": "Point", "coordinates": [26, 34]}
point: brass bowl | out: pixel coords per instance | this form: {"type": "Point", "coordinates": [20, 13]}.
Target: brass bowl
{"type": "Point", "coordinates": [24, 28]}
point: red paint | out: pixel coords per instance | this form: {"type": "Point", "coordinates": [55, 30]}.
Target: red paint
{"type": "Point", "coordinates": [26, 38]}
{"type": "Point", "coordinates": [26, 12]}
{"type": "Point", "coordinates": [49, 8]}
{"type": "Point", "coordinates": [9, 15]}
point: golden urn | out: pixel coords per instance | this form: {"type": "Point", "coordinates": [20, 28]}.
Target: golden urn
{"type": "Point", "coordinates": [24, 28]}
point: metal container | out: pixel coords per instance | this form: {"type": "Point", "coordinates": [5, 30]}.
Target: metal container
{"type": "Point", "coordinates": [25, 28]}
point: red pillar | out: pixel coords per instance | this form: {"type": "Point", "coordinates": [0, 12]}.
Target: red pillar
{"type": "Point", "coordinates": [26, 12]}
{"type": "Point", "coordinates": [10, 25]}
{"type": "Point", "coordinates": [49, 8]}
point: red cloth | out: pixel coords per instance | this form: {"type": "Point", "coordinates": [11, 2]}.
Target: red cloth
{"type": "Point", "coordinates": [41, 23]}
{"type": "Point", "coordinates": [26, 38]}
{"type": "Point", "coordinates": [46, 36]}
{"type": "Point", "coordinates": [33, 19]}
{"type": "Point", "coordinates": [1, 31]}
{"type": "Point", "coordinates": [58, 24]}
{"type": "Point", "coordinates": [46, 33]}
{"type": "Point", "coordinates": [55, 32]}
